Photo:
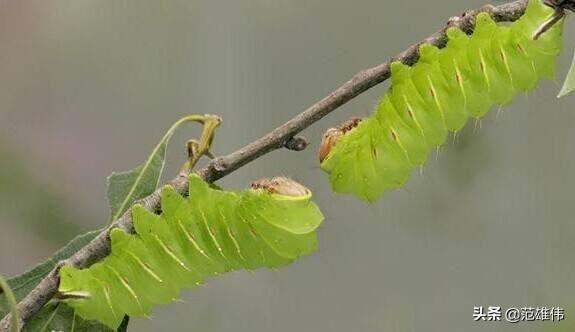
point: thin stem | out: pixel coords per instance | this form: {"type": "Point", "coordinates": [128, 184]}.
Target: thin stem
{"type": "Point", "coordinates": [11, 299]}
{"type": "Point", "coordinates": [203, 119]}
{"type": "Point", "coordinates": [197, 149]}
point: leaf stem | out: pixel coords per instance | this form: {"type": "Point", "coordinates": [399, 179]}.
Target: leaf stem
{"type": "Point", "coordinates": [202, 119]}
{"type": "Point", "coordinates": [197, 149]}
{"type": "Point", "coordinates": [11, 299]}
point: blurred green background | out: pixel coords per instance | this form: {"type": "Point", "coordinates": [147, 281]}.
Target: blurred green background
{"type": "Point", "coordinates": [88, 87]}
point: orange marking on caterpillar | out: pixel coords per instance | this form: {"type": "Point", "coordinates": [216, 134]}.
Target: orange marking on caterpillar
{"type": "Point", "coordinates": [332, 136]}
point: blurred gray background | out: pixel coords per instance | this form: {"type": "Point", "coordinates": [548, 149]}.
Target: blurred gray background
{"type": "Point", "coordinates": [88, 87]}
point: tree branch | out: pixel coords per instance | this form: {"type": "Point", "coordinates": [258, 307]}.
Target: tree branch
{"type": "Point", "coordinates": [282, 136]}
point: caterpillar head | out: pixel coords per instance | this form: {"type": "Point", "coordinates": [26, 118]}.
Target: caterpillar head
{"type": "Point", "coordinates": [333, 135]}
{"type": "Point", "coordinates": [280, 185]}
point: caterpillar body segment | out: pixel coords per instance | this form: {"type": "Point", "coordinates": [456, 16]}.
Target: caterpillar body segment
{"type": "Point", "coordinates": [209, 233]}
{"type": "Point", "coordinates": [438, 95]}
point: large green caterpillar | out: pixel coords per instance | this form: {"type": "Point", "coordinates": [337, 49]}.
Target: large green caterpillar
{"type": "Point", "coordinates": [211, 232]}
{"type": "Point", "coordinates": [437, 95]}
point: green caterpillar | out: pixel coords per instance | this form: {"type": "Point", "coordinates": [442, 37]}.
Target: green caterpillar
{"type": "Point", "coordinates": [437, 95]}
{"type": "Point", "coordinates": [211, 232]}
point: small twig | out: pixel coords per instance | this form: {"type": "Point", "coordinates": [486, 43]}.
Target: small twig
{"type": "Point", "coordinates": [358, 84]}
{"type": "Point", "coordinates": [561, 6]}
{"type": "Point", "coordinates": [276, 139]}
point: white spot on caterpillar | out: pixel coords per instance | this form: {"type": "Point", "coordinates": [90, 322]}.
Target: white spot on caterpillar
{"type": "Point", "coordinates": [106, 291]}
{"type": "Point", "coordinates": [522, 49]}
{"type": "Point", "coordinates": [236, 244]}
{"type": "Point", "coordinates": [170, 253]}
{"type": "Point", "coordinates": [506, 62]}
{"type": "Point", "coordinates": [459, 78]}
{"type": "Point", "coordinates": [231, 235]}
{"type": "Point", "coordinates": [212, 236]}
{"type": "Point", "coordinates": [398, 141]}
{"type": "Point", "coordinates": [190, 238]}
{"type": "Point", "coordinates": [145, 266]}
{"type": "Point", "coordinates": [124, 282]}
{"type": "Point", "coordinates": [435, 98]}
{"type": "Point", "coordinates": [412, 114]}
{"type": "Point", "coordinates": [484, 69]}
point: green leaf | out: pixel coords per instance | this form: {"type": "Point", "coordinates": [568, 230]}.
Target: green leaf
{"type": "Point", "coordinates": [48, 318]}
{"type": "Point", "coordinates": [24, 283]}
{"type": "Point", "coordinates": [569, 84]}
{"type": "Point", "coordinates": [60, 317]}
{"type": "Point", "coordinates": [124, 188]}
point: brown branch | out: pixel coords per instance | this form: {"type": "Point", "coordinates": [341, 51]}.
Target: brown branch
{"type": "Point", "coordinates": [282, 136]}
